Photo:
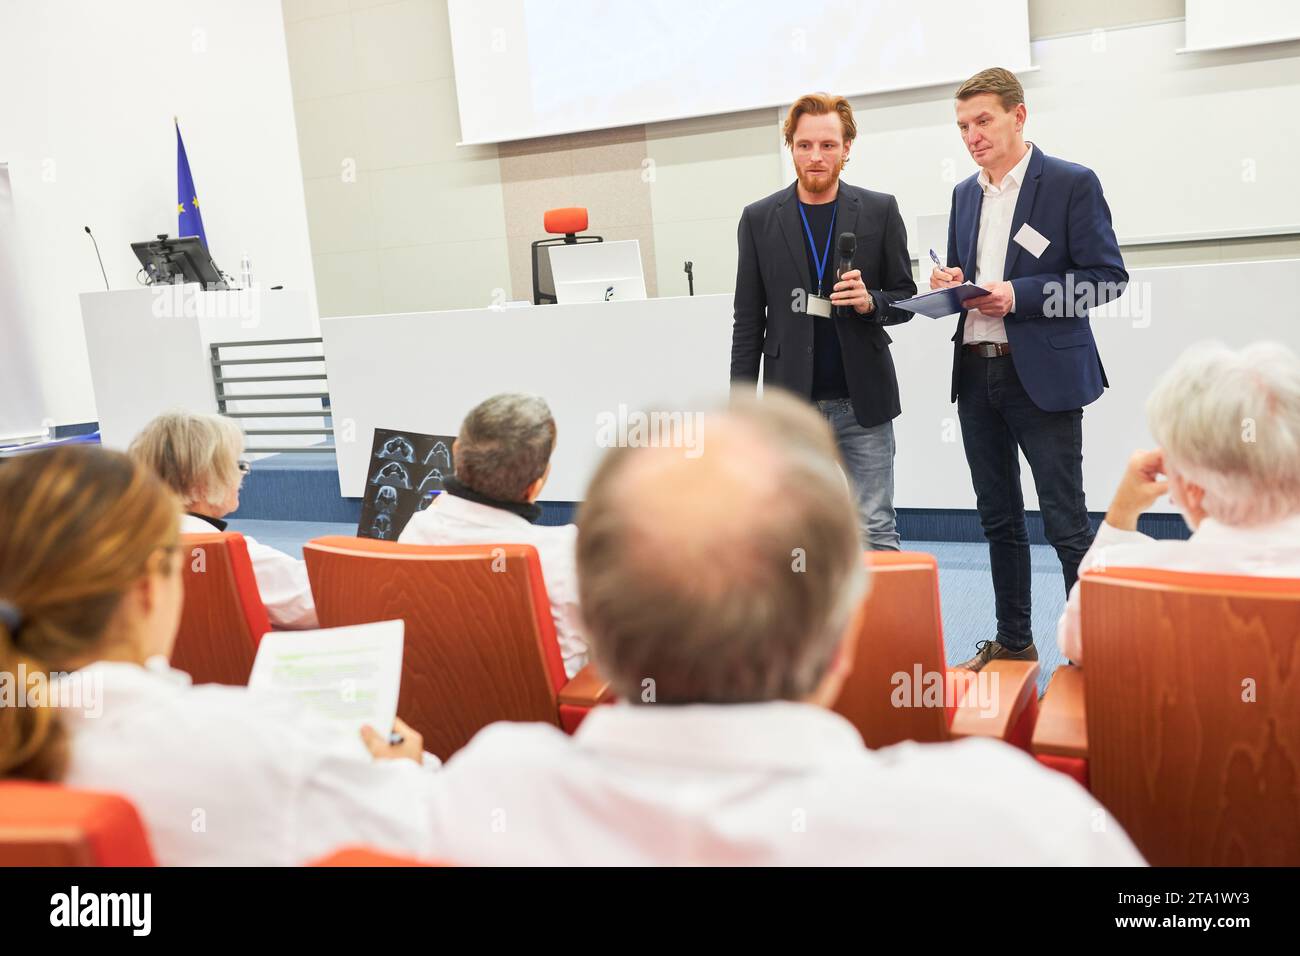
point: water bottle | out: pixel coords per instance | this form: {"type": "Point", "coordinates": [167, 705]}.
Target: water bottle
{"type": "Point", "coordinates": [246, 272]}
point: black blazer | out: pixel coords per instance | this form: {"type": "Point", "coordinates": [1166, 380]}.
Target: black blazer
{"type": "Point", "coordinates": [772, 266]}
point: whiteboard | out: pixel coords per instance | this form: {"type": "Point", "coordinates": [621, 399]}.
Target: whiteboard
{"type": "Point", "coordinates": [1200, 146]}
{"type": "Point", "coordinates": [1216, 25]}
{"type": "Point", "coordinates": [527, 68]}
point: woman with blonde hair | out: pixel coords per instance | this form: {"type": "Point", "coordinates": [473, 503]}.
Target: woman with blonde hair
{"type": "Point", "coordinates": [198, 457]}
{"type": "Point", "coordinates": [90, 600]}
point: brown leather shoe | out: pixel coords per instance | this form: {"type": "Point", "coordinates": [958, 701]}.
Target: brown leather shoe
{"type": "Point", "coordinates": [986, 651]}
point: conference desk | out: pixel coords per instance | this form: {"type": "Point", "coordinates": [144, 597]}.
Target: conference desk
{"type": "Point", "coordinates": [592, 362]}
{"type": "Point", "coordinates": [423, 371]}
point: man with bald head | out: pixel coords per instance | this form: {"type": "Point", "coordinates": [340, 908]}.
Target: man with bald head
{"type": "Point", "coordinates": [721, 595]}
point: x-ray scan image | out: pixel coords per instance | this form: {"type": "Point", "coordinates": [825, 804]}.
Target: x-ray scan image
{"type": "Point", "coordinates": [394, 489]}
{"type": "Point", "coordinates": [386, 499]}
{"type": "Point", "coordinates": [433, 480]}
{"type": "Point", "coordinates": [392, 474]}
{"type": "Point", "coordinates": [398, 448]}
{"type": "Point", "coordinates": [439, 452]}
{"type": "Point", "coordinates": [381, 527]}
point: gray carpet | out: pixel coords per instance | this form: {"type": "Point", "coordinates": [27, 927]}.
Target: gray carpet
{"type": "Point", "coordinates": [965, 589]}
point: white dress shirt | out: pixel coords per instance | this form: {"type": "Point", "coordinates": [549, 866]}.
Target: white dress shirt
{"type": "Point", "coordinates": [228, 776]}
{"type": "Point", "coordinates": [996, 213]}
{"type": "Point", "coordinates": [281, 580]}
{"type": "Point", "coordinates": [755, 784]}
{"type": "Point", "coordinates": [453, 520]}
{"type": "Point", "coordinates": [1266, 550]}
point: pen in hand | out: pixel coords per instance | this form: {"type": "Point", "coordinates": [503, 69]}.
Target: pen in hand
{"type": "Point", "coordinates": [937, 264]}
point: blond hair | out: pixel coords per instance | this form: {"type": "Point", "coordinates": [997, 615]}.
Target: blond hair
{"type": "Point", "coordinates": [820, 104]}
{"type": "Point", "coordinates": [998, 81]}
{"type": "Point", "coordinates": [81, 525]}
{"type": "Point", "coordinates": [197, 456]}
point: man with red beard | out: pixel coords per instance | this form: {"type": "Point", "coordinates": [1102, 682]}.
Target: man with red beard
{"type": "Point", "coordinates": [821, 337]}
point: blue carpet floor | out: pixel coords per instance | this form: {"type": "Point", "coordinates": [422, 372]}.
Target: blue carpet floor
{"type": "Point", "coordinates": [965, 589]}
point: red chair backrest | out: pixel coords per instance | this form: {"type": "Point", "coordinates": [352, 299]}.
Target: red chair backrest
{"type": "Point", "coordinates": [1192, 698]}
{"type": "Point", "coordinates": [480, 639]}
{"type": "Point", "coordinates": [901, 633]}
{"type": "Point", "coordinates": [364, 856]}
{"type": "Point", "coordinates": [569, 219]}
{"type": "Point", "coordinates": [224, 618]}
{"type": "Point", "coordinates": [45, 824]}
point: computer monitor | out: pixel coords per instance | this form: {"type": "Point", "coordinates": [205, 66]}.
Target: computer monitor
{"type": "Point", "coordinates": [598, 271]}
{"type": "Point", "coordinates": [185, 257]}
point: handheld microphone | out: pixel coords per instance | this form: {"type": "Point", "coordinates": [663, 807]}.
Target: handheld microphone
{"type": "Point", "coordinates": [845, 247]}
{"type": "Point", "coordinates": [100, 258]}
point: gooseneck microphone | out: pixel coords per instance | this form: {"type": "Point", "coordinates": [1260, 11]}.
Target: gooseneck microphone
{"type": "Point", "coordinates": [845, 247]}
{"type": "Point", "coordinates": [100, 258]}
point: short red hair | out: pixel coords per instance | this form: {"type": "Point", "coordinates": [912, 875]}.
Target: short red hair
{"type": "Point", "coordinates": [819, 104]}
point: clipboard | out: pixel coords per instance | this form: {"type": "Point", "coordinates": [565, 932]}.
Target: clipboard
{"type": "Point", "coordinates": [942, 302]}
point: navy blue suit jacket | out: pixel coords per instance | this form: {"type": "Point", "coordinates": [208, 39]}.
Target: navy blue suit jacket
{"type": "Point", "coordinates": [1051, 339]}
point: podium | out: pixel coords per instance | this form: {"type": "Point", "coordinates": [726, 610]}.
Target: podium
{"type": "Point", "coordinates": [601, 366]}
{"type": "Point", "coordinates": [150, 351]}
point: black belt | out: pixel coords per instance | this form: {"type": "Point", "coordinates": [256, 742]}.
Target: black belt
{"type": "Point", "coordinates": [987, 349]}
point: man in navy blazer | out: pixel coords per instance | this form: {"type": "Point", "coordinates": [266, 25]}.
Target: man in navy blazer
{"type": "Point", "coordinates": [1036, 232]}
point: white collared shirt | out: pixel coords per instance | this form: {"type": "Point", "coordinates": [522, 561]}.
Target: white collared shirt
{"type": "Point", "coordinates": [281, 579]}
{"type": "Point", "coordinates": [755, 784]}
{"type": "Point", "coordinates": [996, 212]}
{"type": "Point", "coordinates": [229, 776]}
{"type": "Point", "coordinates": [1266, 550]}
{"type": "Point", "coordinates": [453, 520]}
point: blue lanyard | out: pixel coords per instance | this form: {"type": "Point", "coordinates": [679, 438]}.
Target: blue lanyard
{"type": "Point", "coordinates": [820, 262]}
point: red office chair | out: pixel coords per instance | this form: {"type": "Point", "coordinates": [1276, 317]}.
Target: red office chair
{"type": "Point", "coordinates": [480, 639]}
{"type": "Point", "coordinates": [1183, 720]}
{"type": "Point", "coordinates": [901, 633]}
{"type": "Point", "coordinates": [223, 619]}
{"type": "Point", "coordinates": [45, 824]}
{"type": "Point", "coordinates": [352, 856]}
{"type": "Point", "coordinates": [566, 223]}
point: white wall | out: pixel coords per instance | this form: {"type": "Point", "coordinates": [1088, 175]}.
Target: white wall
{"type": "Point", "coordinates": [1139, 335]}
{"type": "Point", "coordinates": [87, 94]}
{"type": "Point", "coordinates": [1125, 104]}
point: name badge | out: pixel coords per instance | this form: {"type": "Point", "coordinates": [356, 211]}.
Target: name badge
{"type": "Point", "coordinates": [820, 306]}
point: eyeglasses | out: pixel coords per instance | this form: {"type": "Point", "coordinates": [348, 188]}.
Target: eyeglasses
{"type": "Point", "coordinates": [243, 466]}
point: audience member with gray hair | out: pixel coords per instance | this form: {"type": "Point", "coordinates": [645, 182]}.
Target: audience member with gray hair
{"type": "Point", "coordinates": [502, 458]}
{"type": "Point", "coordinates": [200, 458]}
{"type": "Point", "coordinates": [722, 595]}
{"type": "Point", "coordinates": [1228, 427]}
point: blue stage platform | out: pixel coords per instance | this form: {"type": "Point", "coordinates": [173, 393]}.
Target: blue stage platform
{"type": "Point", "coordinates": [304, 486]}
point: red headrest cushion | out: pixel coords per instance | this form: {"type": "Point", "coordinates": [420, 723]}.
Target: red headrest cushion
{"type": "Point", "coordinates": [569, 219]}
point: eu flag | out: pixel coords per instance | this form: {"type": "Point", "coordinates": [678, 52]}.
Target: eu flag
{"type": "Point", "coordinates": [189, 218]}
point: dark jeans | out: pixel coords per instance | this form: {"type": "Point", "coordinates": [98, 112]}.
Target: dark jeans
{"type": "Point", "coordinates": [997, 416]}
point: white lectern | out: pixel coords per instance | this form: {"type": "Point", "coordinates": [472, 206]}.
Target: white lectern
{"type": "Point", "coordinates": [149, 348]}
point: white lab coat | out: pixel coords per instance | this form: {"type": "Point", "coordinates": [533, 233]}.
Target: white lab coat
{"type": "Point", "coordinates": [756, 784]}
{"type": "Point", "coordinates": [1269, 550]}
{"type": "Point", "coordinates": [453, 520]}
{"type": "Point", "coordinates": [229, 776]}
{"type": "Point", "coordinates": [281, 580]}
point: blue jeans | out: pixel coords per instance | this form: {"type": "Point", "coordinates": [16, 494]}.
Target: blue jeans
{"type": "Point", "coordinates": [868, 455]}
{"type": "Point", "coordinates": [997, 417]}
